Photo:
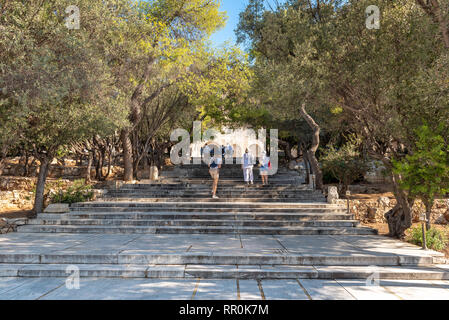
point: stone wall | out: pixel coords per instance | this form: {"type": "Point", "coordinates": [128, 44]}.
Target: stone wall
{"type": "Point", "coordinates": [8, 183]}
{"type": "Point", "coordinates": [13, 168]}
{"type": "Point", "coordinates": [17, 199]}
{"type": "Point", "coordinates": [16, 193]}
{"type": "Point", "coordinates": [373, 210]}
{"type": "Point", "coordinates": [60, 171]}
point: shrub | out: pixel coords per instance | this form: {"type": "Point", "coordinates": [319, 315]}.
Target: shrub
{"type": "Point", "coordinates": [78, 192]}
{"type": "Point", "coordinates": [346, 164]}
{"type": "Point", "coordinates": [435, 238]}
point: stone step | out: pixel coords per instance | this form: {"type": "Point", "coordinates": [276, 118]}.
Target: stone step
{"type": "Point", "coordinates": [200, 216]}
{"type": "Point", "coordinates": [236, 176]}
{"type": "Point", "coordinates": [207, 198]}
{"type": "Point", "coordinates": [232, 172]}
{"type": "Point", "coordinates": [198, 230]}
{"type": "Point", "coordinates": [210, 199]}
{"type": "Point", "coordinates": [207, 192]}
{"type": "Point", "coordinates": [311, 207]}
{"type": "Point", "coordinates": [201, 210]}
{"type": "Point", "coordinates": [149, 257]}
{"type": "Point", "coordinates": [236, 182]}
{"type": "Point", "coordinates": [235, 169]}
{"type": "Point", "coordinates": [240, 186]}
{"type": "Point", "coordinates": [205, 209]}
{"type": "Point", "coordinates": [201, 164]}
{"type": "Point", "coordinates": [222, 190]}
{"type": "Point", "coordinates": [195, 222]}
{"type": "Point", "coordinates": [227, 272]}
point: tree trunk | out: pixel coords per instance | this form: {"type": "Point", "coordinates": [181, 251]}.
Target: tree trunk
{"type": "Point", "coordinates": [428, 206]}
{"type": "Point", "coordinates": [25, 164]}
{"type": "Point", "coordinates": [40, 186]}
{"type": "Point", "coordinates": [95, 162]}
{"type": "Point", "coordinates": [3, 155]}
{"type": "Point", "coordinates": [146, 166]}
{"type": "Point", "coordinates": [343, 189]}
{"type": "Point", "coordinates": [109, 165]}
{"type": "Point", "coordinates": [127, 155]}
{"type": "Point", "coordinates": [314, 147]}
{"type": "Point", "coordinates": [443, 24]}
{"type": "Point", "coordinates": [400, 217]}
{"type": "Point", "coordinates": [31, 166]}
{"type": "Point", "coordinates": [316, 170]}
{"type": "Point", "coordinates": [89, 166]}
{"type": "Point", "coordinates": [100, 164]}
{"type": "Point", "coordinates": [287, 148]}
{"type": "Point", "coordinates": [306, 165]}
{"type": "Point", "coordinates": [433, 9]}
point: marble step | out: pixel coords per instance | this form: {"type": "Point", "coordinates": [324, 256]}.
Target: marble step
{"type": "Point", "coordinates": [195, 222]}
{"type": "Point", "coordinates": [236, 182]}
{"type": "Point", "coordinates": [220, 190]}
{"type": "Point", "coordinates": [235, 169]}
{"type": "Point", "coordinates": [200, 216]}
{"type": "Point", "coordinates": [207, 192]}
{"type": "Point", "coordinates": [197, 230]}
{"type": "Point", "coordinates": [206, 197]}
{"type": "Point", "coordinates": [215, 204]}
{"type": "Point", "coordinates": [206, 186]}
{"type": "Point", "coordinates": [169, 198]}
{"type": "Point", "coordinates": [228, 272]}
{"type": "Point", "coordinates": [201, 210]}
{"type": "Point", "coordinates": [154, 257]}
{"type": "Point", "coordinates": [204, 209]}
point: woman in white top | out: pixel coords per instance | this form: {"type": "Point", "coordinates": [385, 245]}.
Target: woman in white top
{"type": "Point", "coordinates": [264, 166]}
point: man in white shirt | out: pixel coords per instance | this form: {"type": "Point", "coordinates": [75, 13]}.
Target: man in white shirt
{"type": "Point", "coordinates": [247, 166]}
{"type": "Point", "coordinates": [214, 166]}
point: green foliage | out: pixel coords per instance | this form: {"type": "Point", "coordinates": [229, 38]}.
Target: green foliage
{"type": "Point", "coordinates": [379, 83]}
{"type": "Point", "coordinates": [346, 163]}
{"type": "Point", "coordinates": [435, 239]}
{"type": "Point", "coordinates": [425, 172]}
{"type": "Point", "coordinates": [57, 82]}
{"type": "Point", "coordinates": [220, 85]}
{"type": "Point", "coordinates": [78, 192]}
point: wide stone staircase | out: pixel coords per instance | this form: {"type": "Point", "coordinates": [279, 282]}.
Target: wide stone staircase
{"type": "Point", "coordinates": [174, 229]}
{"type": "Point", "coordinates": [284, 207]}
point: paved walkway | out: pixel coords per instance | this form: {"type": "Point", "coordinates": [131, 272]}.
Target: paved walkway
{"type": "Point", "coordinates": [208, 244]}
{"type": "Point", "coordinates": [200, 289]}
{"type": "Point", "coordinates": [34, 248]}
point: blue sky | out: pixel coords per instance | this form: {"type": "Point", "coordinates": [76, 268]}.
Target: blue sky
{"type": "Point", "coordinates": [232, 8]}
